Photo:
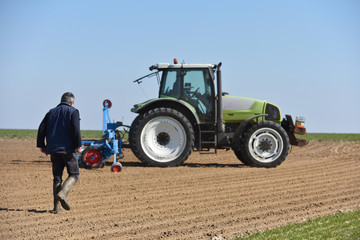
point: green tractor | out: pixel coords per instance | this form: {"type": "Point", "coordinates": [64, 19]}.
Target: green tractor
{"type": "Point", "coordinates": [193, 114]}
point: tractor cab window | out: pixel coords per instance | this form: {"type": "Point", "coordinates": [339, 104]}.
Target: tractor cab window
{"type": "Point", "coordinates": [171, 84]}
{"type": "Point", "coordinates": [198, 92]}
{"type": "Point", "coordinates": [192, 85]}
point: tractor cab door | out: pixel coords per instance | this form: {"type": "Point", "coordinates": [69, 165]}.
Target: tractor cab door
{"type": "Point", "coordinates": [194, 86]}
{"type": "Point", "coordinates": [198, 91]}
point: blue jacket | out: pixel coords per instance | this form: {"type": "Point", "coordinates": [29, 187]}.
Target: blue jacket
{"type": "Point", "coordinates": [61, 128]}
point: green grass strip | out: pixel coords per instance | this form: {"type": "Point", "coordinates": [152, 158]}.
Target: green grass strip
{"type": "Point", "coordinates": [30, 133]}
{"type": "Point", "coordinates": [339, 226]}
{"type": "Point", "coordinates": [330, 136]}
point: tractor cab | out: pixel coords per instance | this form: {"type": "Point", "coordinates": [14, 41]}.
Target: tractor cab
{"type": "Point", "coordinates": [193, 84]}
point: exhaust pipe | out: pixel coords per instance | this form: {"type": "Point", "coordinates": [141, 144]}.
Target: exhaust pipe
{"type": "Point", "coordinates": [220, 124]}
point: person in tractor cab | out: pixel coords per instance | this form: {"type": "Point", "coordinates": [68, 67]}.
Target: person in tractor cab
{"type": "Point", "coordinates": [61, 129]}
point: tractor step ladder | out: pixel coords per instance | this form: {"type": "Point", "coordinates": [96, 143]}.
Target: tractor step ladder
{"type": "Point", "coordinates": [201, 143]}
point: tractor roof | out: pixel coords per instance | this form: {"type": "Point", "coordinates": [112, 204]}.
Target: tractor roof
{"type": "Point", "coordinates": [163, 66]}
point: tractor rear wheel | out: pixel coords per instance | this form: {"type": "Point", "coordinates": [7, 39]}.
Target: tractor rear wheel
{"type": "Point", "coordinates": [162, 137]}
{"type": "Point", "coordinates": [265, 144]}
{"type": "Point", "coordinates": [242, 159]}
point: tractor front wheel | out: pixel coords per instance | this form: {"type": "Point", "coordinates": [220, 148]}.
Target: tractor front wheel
{"type": "Point", "coordinates": [162, 137]}
{"type": "Point", "coordinates": [265, 144]}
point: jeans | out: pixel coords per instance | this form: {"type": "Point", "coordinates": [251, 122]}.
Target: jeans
{"type": "Point", "coordinates": [60, 161]}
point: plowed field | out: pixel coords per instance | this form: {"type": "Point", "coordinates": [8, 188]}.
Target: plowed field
{"type": "Point", "coordinates": [208, 196]}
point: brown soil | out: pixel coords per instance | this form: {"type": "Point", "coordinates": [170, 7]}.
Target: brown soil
{"type": "Point", "coordinates": [208, 196]}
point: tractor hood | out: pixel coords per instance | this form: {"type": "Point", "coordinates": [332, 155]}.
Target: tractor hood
{"type": "Point", "coordinates": [238, 109]}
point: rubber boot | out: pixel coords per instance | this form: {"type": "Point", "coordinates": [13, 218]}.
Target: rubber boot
{"type": "Point", "coordinates": [56, 190]}
{"type": "Point", "coordinates": [65, 189]}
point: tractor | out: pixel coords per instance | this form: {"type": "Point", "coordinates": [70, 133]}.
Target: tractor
{"type": "Point", "coordinates": [192, 113]}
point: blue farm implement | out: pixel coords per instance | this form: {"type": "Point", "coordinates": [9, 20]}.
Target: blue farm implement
{"type": "Point", "coordinates": [97, 151]}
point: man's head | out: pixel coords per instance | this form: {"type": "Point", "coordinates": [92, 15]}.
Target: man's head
{"type": "Point", "coordinates": [68, 97]}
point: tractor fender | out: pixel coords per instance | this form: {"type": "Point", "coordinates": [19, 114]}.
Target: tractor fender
{"type": "Point", "coordinates": [241, 129]}
{"type": "Point", "coordinates": [179, 105]}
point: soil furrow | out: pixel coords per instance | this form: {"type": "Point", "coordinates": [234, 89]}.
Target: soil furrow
{"type": "Point", "coordinates": [208, 196]}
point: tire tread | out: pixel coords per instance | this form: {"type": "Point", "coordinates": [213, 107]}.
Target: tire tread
{"type": "Point", "coordinates": [142, 119]}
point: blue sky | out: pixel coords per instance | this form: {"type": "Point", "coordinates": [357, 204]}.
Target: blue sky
{"type": "Point", "coordinates": [303, 55]}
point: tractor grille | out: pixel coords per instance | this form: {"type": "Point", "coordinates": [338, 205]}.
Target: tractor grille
{"type": "Point", "coordinates": [273, 112]}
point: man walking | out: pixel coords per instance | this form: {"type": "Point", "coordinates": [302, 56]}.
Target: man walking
{"type": "Point", "coordinates": [61, 129]}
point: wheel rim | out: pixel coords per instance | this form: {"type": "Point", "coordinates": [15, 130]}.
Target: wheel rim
{"type": "Point", "coordinates": [109, 104]}
{"type": "Point", "coordinates": [92, 157]}
{"type": "Point", "coordinates": [116, 167]}
{"type": "Point", "coordinates": [163, 139]}
{"type": "Point", "coordinates": [266, 145]}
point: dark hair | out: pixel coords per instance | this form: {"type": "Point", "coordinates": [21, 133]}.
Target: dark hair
{"type": "Point", "coordinates": [68, 97]}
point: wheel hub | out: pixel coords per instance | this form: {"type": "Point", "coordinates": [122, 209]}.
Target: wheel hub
{"type": "Point", "coordinates": [163, 138]}
{"type": "Point", "coordinates": [265, 145]}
